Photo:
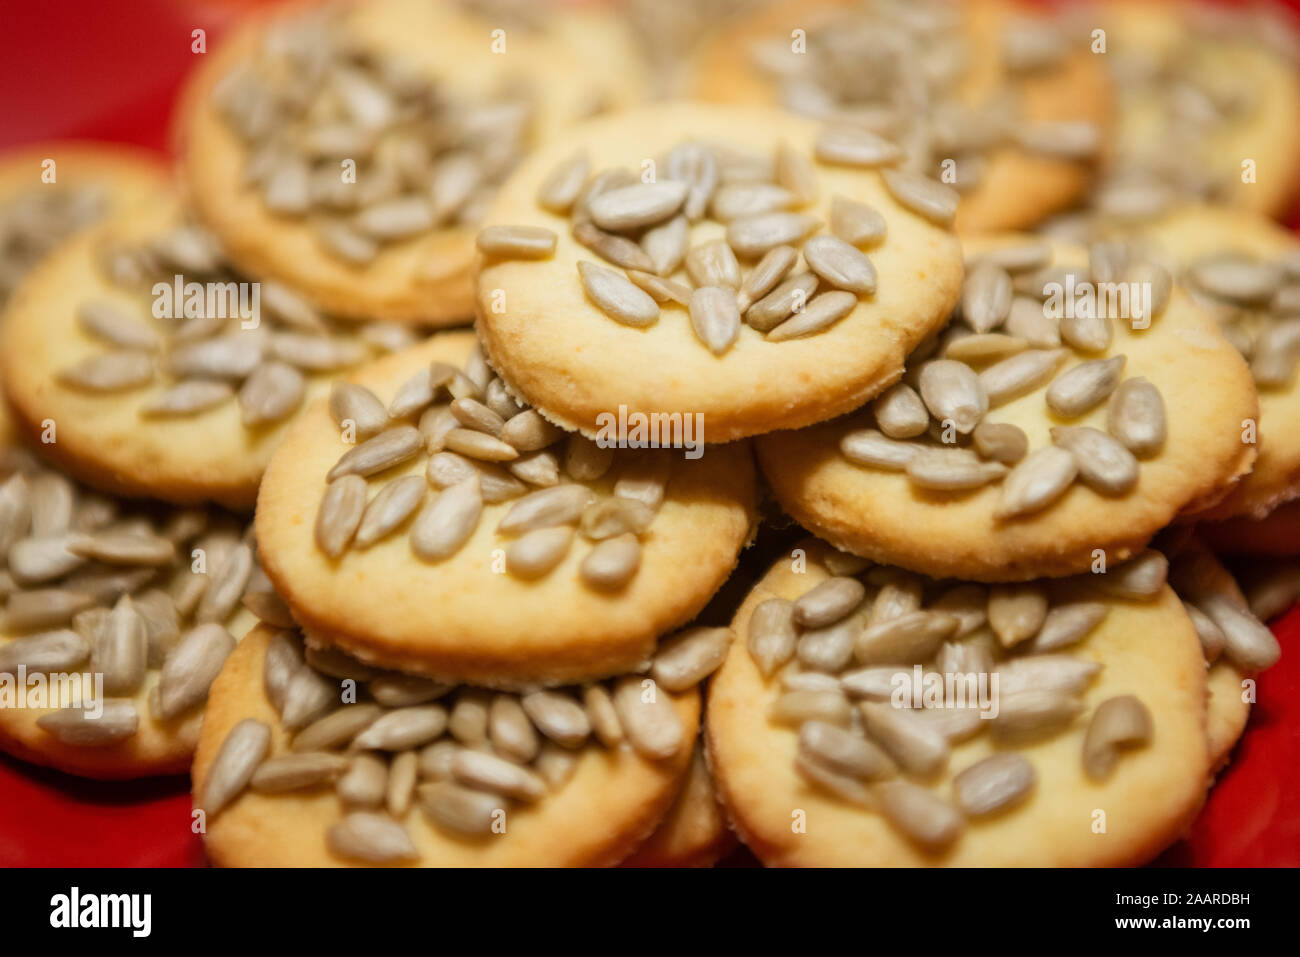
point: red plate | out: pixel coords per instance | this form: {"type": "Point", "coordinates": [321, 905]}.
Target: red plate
{"type": "Point", "coordinates": [88, 69]}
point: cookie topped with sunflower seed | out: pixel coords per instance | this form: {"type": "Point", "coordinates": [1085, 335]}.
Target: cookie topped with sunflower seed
{"type": "Point", "coordinates": [147, 365]}
{"type": "Point", "coordinates": [426, 519]}
{"type": "Point", "coordinates": [751, 268]}
{"type": "Point", "coordinates": [1074, 406]}
{"type": "Point", "coordinates": [348, 150]}
{"type": "Point", "coordinates": [1007, 104]}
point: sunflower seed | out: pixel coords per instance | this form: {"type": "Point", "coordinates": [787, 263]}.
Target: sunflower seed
{"type": "Point", "coordinates": [296, 772]}
{"type": "Point", "coordinates": [413, 396]}
{"type": "Point", "coordinates": [715, 317]}
{"type": "Point", "coordinates": [510, 731]}
{"type": "Point", "coordinates": [602, 715]}
{"type": "Point", "coordinates": [403, 728]}
{"type": "Point", "coordinates": [516, 242]}
{"type": "Point", "coordinates": [469, 719]}
{"type": "Point", "coordinates": [479, 445]}
{"type": "Point", "coordinates": [666, 245]}
{"type": "Point", "coordinates": [528, 431]}
{"type": "Point", "coordinates": [308, 696]}
{"type": "Point", "coordinates": [611, 563]}
{"type": "Point", "coordinates": [1028, 320]}
{"type": "Point", "coordinates": [537, 552]}
{"type": "Point", "coordinates": [43, 608]}
{"type": "Point", "coordinates": [856, 223]}
{"type": "Point", "coordinates": [922, 195]}
{"type": "Point", "coordinates": [1237, 279]}
{"type": "Point", "coordinates": [266, 606]}
{"type": "Point", "coordinates": [371, 838]}
{"type": "Point", "coordinates": [401, 691]}
{"type": "Point", "coordinates": [585, 460]}
{"type": "Point", "coordinates": [315, 353]}
{"type": "Point", "coordinates": [460, 810]}
{"type": "Point", "coordinates": [1082, 388]}
{"type": "Point", "coordinates": [843, 786]}
{"type": "Point", "coordinates": [283, 659]}
{"type": "Point", "coordinates": [121, 649]}
{"type": "Point", "coordinates": [818, 315]}
{"type": "Point", "coordinates": [401, 783]}
{"type": "Point", "coordinates": [337, 664]}
{"type": "Point", "coordinates": [854, 146]}
{"type": "Point", "coordinates": [241, 752]}
{"type": "Point", "coordinates": [827, 649]}
{"type": "Point", "coordinates": [618, 250]}
{"type": "Point", "coordinates": [336, 730]}
{"type": "Point", "coordinates": [1136, 416]}
{"type": "Point", "coordinates": [339, 515]}
{"type": "Point", "coordinates": [558, 505]}
{"type": "Point", "coordinates": [15, 511]}
{"type": "Point", "coordinates": [1087, 333]}
{"type": "Point", "coordinates": [288, 189]}
{"type": "Point", "coordinates": [232, 356]}
{"type": "Point", "coordinates": [660, 289]}
{"type": "Point", "coordinates": [943, 469]}
{"type": "Point", "coordinates": [387, 449]}
{"type": "Point", "coordinates": [1210, 635]}
{"type": "Point", "coordinates": [713, 264]}
{"type": "Point", "coordinates": [1247, 643]}
{"type": "Point", "coordinates": [560, 189]}
{"type": "Point", "coordinates": [696, 165]}
{"type": "Point", "coordinates": [474, 415]}
{"type": "Point", "coordinates": [986, 297]}
{"type": "Point", "coordinates": [497, 398]}
{"type": "Point", "coordinates": [1001, 442]}
{"type": "Point", "coordinates": [840, 264]}
{"type": "Point", "coordinates": [445, 524]}
{"type": "Point", "coordinates": [952, 391]}
{"type": "Point", "coordinates": [84, 728]}
{"type": "Point", "coordinates": [828, 602]}
{"type": "Point", "coordinates": [633, 207]}
{"type": "Point", "coordinates": [1018, 258]}
{"type": "Point", "coordinates": [648, 718]}
{"type": "Point", "coordinates": [869, 447]}
{"type": "Point", "coordinates": [106, 321]}
{"type": "Point", "coordinates": [1020, 374]}
{"type": "Point", "coordinates": [271, 393]}
{"type": "Point", "coordinates": [396, 219]}
{"type": "Point", "coordinates": [1049, 672]}
{"type": "Point", "coordinates": [558, 716]}
{"type": "Point", "coordinates": [191, 668]}
{"type": "Point", "coordinates": [752, 236]}
{"type": "Point", "coordinates": [739, 200]}
{"type": "Point", "coordinates": [616, 296]}
{"type": "Point", "coordinates": [110, 372]}
{"type": "Point", "coordinates": [187, 398]}
{"type": "Point", "coordinates": [1034, 713]}
{"type": "Point", "coordinates": [983, 347]}
{"type": "Point", "coordinates": [477, 769]}
{"type": "Point", "coordinates": [1141, 577]}
{"type": "Point", "coordinates": [915, 745]}
{"type": "Point", "coordinates": [912, 636]}
{"type": "Point", "coordinates": [394, 504]}
{"type": "Point", "coordinates": [772, 635]}
{"type": "Point", "coordinates": [1119, 722]}
{"type": "Point", "coordinates": [124, 548]}
{"type": "Point", "coordinates": [47, 652]}
{"type": "Point", "coordinates": [1040, 479]}
{"type": "Point", "coordinates": [1016, 612]}
{"type": "Point", "coordinates": [764, 277]}
{"type": "Point", "coordinates": [35, 560]}
{"type": "Point", "coordinates": [900, 413]}
{"type": "Point", "coordinates": [355, 404]}
{"type": "Point", "coordinates": [690, 656]}
{"type": "Point", "coordinates": [1104, 464]}
{"type": "Point", "coordinates": [998, 782]}
{"type": "Point", "coordinates": [365, 781]}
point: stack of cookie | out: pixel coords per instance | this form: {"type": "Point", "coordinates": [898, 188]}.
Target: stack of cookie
{"type": "Point", "coordinates": [408, 594]}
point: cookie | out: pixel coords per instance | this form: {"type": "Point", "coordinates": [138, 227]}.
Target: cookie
{"type": "Point", "coordinates": [116, 618]}
{"type": "Point", "coordinates": [679, 195]}
{"type": "Point", "coordinates": [452, 509]}
{"type": "Point", "coordinates": [1090, 425]}
{"type": "Point", "coordinates": [1001, 101]}
{"type": "Point", "coordinates": [694, 832]}
{"type": "Point", "coordinates": [145, 366]}
{"type": "Point", "coordinates": [1093, 754]}
{"type": "Point", "coordinates": [412, 772]}
{"type": "Point", "coordinates": [51, 190]}
{"type": "Point", "coordinates": [1206, 97]}
{"type": "Point", "coordinates": [1213, 252]}
{"type": "Point", "coordinates": [347, 152]}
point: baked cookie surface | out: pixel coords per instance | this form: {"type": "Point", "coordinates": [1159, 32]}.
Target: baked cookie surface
{"type": "Point", "coordinates": [97, 587]}
{"type": "Point", "coordinates": [1074, 476]}
{"type": "Point", "coordinates": [581, 339]}
{"type": "Point", "coordinates": [431, 103]}
{"type": "Point", "coordinates": [1017, 105]}
{"type": "Point", "coordinates": [89, 181]}
{"type": "Point", "coordinates": [1038, 803]}
{"type": "Point", "coordinates": [419, 789]}
{"type": "Point", "coordinates": [120, 358]}
{"type": "Point", "coordinates": [472, 567]}
{"type": "Point", "coordinates": [694, 832]}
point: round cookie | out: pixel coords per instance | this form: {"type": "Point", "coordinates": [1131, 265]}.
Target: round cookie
{"type": "Point", "coordinates": [659, 535]}
{"type": "Point", "coordinates": [548, 324]}
{"type": "Point", "coordinates": [131, 387]}
{"type": "Point", "coordinates": [694, 832]}
{"type": "Point", "coordinates": [431, 104]}
{"type": "Point", "coordinates": [1198, 243]}
{"type": "Point", "coordinates": [1201, 91]}
{"type": "Point", "coordinates": [959, 511]}
{"type": "Point", "coordinates": [583, 804]}
{"type": "Point", "coordinates": [1277, 534]}
{"type": "Point", "coordinates": [1017, 105]}
{"type": "Point", "coordinates": [65, 622]}
{"type": "Point", "coordinates": [1035, 806]}
{"type": "Point", "coordinates": [89, 181]}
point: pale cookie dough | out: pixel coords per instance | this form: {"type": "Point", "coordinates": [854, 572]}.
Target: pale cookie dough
{"type": "Point", "coordinates": [694, 832]}
{"type": "Point", "coordinates": [992, 531]}
{"type": "Point", "coordinates": [1047, 810]}
{"type": "Point", "coordinates": [1194, 239]}
{"type": "Point", "coordinates": [1207, 97]}
{"type": "Point", "coordinates": [56, 622]}
{"type": "Point", "coordinates": [563, 351]}
{"type": "Point", "coordinates": [1277, 534]}
{"type": "Point", "coordinates": [50, 190]}
{"type": "Point", "coordinates": [584, 804]}
{"type": "Point", "coordinates": [501, 87]}
{"type": "Point", "coordinates": [497, 608]}
{"type": "Point", "coordinates": [1016, 103]}
{"type": "Point", "coordinates": [92, 305]}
